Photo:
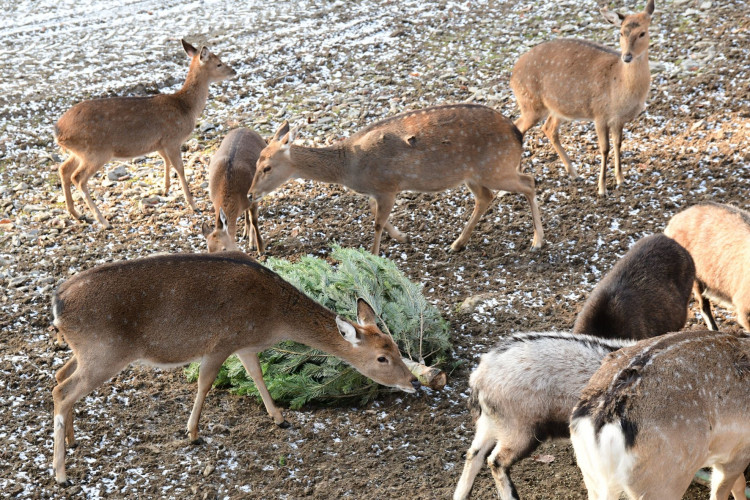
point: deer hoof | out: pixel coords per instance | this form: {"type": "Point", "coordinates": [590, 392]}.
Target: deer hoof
{"type": "Point", "coordinates": [284, 424]}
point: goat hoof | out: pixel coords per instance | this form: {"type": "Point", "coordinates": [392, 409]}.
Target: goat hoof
{"type": "Point", "coordinates": [455, 248]}
{"type": "Point", "coordinates": [284, 424]}
{"type": "Point", "coordinates": [197, 441]}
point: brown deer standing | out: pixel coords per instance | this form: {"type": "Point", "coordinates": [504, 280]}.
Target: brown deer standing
{"type": "Point", "coordinates": [169, 310]}
{"type": "Point", "coordinates": [569, 79]}
{"type": "Point", "coordinates": [98, 130]}
{"type": "Point", "coordinates": [230, 175]}
{"type": "Point", "coordinates": [427, 150]}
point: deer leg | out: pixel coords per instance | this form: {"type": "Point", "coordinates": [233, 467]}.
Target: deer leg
{"type": "Point", "coordinates": [209, 369]}
{"type": "Point", "coordinates": [524, 184]}
{"type": "Point", "coordinates": [167, 166]}
{"type": "Point", "coordinates": [738, 489]}
{"type": "Point", "coordinates": [63, 373]}
{"type": "Point", "coordinates": [510, 448]}
{"type": "Point", "coordinates": [527, 120]}
{"type": "Point", "coordinates": [743, 317]}
{"type": "Point", "coordinates": [602, 134]}
{"type": "Point", "coordinates": [551, 129]}
{"type": "Point", "coordinates": [726, 478]}
{"type": "Point", "coordinates": [616, 143]}
{"type": "Point", "coordinates": [84, 379]}
{"type": "Point", "coordinates": [65, 171]}
{"type": "Point", "coordinates": [390, 229]}
{"type": "Point", "coordinates": [80, 177]}
{"type": "Point", "coordinates": [482, 199]}
{"type": "Point", "coordinates": [475, 456]}
{"type": "Point", "coordinates": [704, 305]}
{"type": "Point", "coordinates": [251, 219]}
{"type": "Point", "coordinates": [383, 205]}
{"type": "Point", "coordinates": [173, 156]}
{"type": "Point", "coordinates": [252, 365]}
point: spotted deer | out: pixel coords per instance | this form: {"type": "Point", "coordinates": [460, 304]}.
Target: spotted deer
{"type": "Point", "coordinates": [168, 310]}
{"type": "Point", "coordinates": [718, 238]}
{"type": "Point", "coordinates": [96, 131]}
{"type": "Point", "coordinates": [569, 79]}
{"type": "Point", "coordinates": [230, 175]}
{"type": "Point", "coordinates": [658, 411]}
{"type": "Point", "coordinates": [426, 150]}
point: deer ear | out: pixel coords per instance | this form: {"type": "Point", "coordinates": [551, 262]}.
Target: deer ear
{"type": "Point", "coordinates": [365, 313]}
{"type": "Point", "coordinates": [206, 229]}
{"type": "Point", "coordinates": [650, 7]}
{"type": "Point", "coordinates": [348, 331]}
{"type": "Point", "coordinates": [222, 220]}
{"type": "Point", "coordinates": [282, 131]}
{"type": "Point", "coordinates": [613, 17]}
{"type": "Point", "coordinates": [205, 54]}
{"type": "Point", "coordinates": [189, 49]}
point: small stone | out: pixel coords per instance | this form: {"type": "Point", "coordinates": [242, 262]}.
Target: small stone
{"type": "Point", "coordinates": [21, 186]}
{"type": "Point", "coordinates": [706, 5]}
{"type": "Point", "coordinates": [118, 173]}
{"type": "Point", "coordinates": [208, 470]}
{"type": "Point", "coordinates": [33, 208]}
{"type": "Point", "coordinates": [205, 127]}
{"type": "Point", "coordinates": [657, 67]}
{"type": "Point", "coordinates": [697, 125]}
{"type": "Point", "coordinates": [17, 281]}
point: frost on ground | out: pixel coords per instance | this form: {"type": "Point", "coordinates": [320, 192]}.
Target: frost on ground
{"type": "Point", "coordinates": [333, 67]}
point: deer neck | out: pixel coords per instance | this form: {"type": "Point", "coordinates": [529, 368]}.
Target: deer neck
{"type": "Point", "coordinates": [636, 75]}
{"type": "Point", "coordinates": [319, 331]}
{"type": "Point", "coordinates": [194, 92]}
{"type": "Point", "coordinates": [321, 164]}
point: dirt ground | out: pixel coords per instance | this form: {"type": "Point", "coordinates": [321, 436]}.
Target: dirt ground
{"type": "Point", "coordinates": [690, 145]}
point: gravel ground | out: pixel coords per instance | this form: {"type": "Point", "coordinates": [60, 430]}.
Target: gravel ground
{"type": "Point", "coordinates": [334, 67]}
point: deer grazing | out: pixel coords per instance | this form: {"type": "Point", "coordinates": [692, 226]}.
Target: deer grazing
{"type": "Point", "coordinates": [645, 294]}
{"type": "Point", "coordinates": [95, 131]}
{"type": "Point", "coordinates": [230, 175]}
{"type": "Point", "coordinates": [658, 411]}
{"type": "Point", "coordinates": [718, 238]}
{"type": "Point", "coordinates": [570, 79]}
{"type": "Point", "coordinates": [168, 310]}
{"type": "Point", "coordinates": [522, 393]}
{"type": "Point", "coordinates": [427, 150]}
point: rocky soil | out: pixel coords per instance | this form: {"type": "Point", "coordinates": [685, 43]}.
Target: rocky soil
{"type": "Point", "coordinates": [334, 67]}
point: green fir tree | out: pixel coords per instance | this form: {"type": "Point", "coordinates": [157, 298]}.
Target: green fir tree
{"type": "Point", "coordinates": [296, 374]}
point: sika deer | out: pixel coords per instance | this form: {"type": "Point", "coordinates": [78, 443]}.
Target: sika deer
{"type": "Point", "coordinates": [658, 411]}
{"type": "Point", "coordinates": [569, 79]}
{"type": "Point", "coordinates": [645, 294]}
{"type": "Point", "coordinates": [718, 238]}
{"type": "Point", "coordinates": [168, 310]}
{"type": "Point", "coordinates": [427, 150]}
{"type": "Point", "coordinates": [98, 130]}
{"type": "Point", "coordinates": [230, 175]}
{"type": "Point", "coordinates": [522, 393]}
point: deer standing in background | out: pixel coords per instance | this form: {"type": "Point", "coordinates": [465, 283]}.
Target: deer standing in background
{"type": "Point", "coordinates": [658, 411]}
{"type": "Point", "coordinates": [570, 79]}
{"type": "Point", "coordinates": [428, 150]}
{"type": "Point", "coordinates": [230, 175]}
{"type": "Point", "coordinates": [168, 310]}
{"type": "Point", "coordinates": [96, 131]}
